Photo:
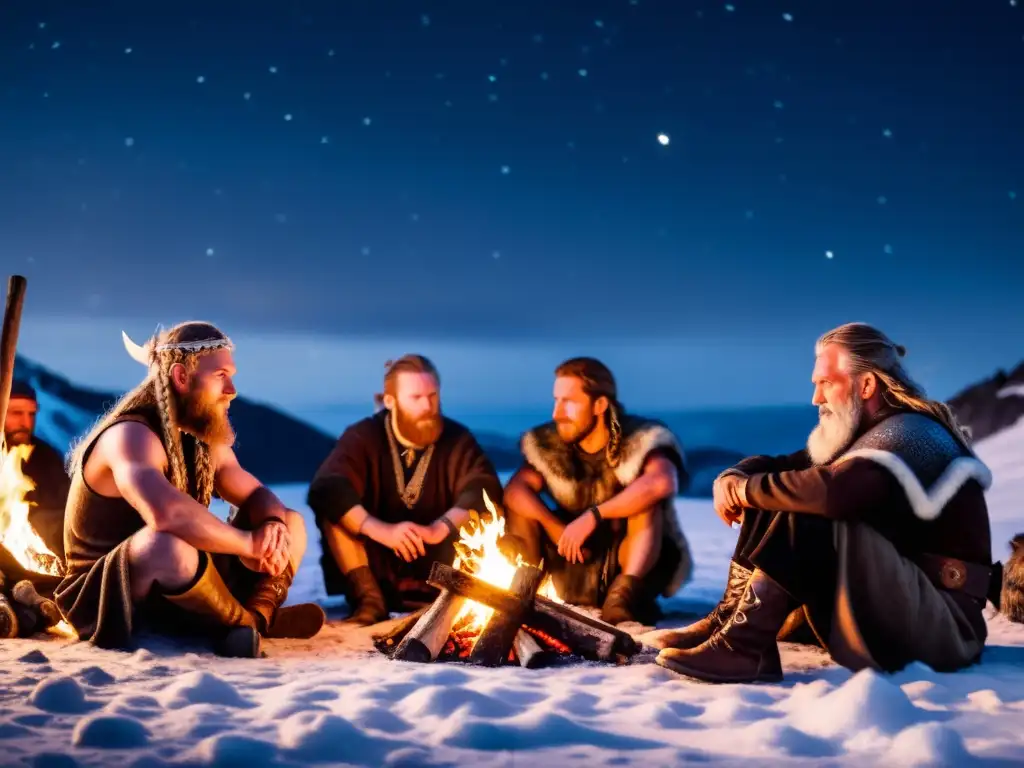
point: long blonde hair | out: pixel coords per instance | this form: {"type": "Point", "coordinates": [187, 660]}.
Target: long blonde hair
{"type": "Point", "coordinates": [871, 351]}
{"type": "Point", "coordinates": [155, 392]}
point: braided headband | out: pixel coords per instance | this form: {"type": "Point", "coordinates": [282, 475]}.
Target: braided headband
{"type": "Point", "coordinates": [143, 354]}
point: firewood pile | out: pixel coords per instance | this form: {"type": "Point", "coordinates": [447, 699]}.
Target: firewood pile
{"type": "Point", "coordinates": [525, 628]}
{"type": "Point", "coordinates": [23, 611]}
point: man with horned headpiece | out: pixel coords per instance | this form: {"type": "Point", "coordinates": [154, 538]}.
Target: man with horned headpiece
{"type": "Point", "coordinates": [612, 539]}
{"type": "Point", "coordinates": [143, 547]}
{"type": "Point", "coordinates": [391, 496]}
{"type": "Point", "coordinates": [878, 532]}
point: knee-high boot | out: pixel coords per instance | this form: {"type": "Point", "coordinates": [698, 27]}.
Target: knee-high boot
{"type": "Point", "coordinates": [210, 598]}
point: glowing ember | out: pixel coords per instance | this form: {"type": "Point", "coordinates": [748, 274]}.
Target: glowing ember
{"type": "Point", "coordinates": [480, 555]}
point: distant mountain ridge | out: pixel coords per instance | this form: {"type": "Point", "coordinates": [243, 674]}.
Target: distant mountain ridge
{"type": "Point", "coordinates": [276, 447]}
{"type": "Point", "coordinates": [280, 448]}
{"type": "Point", "coordinates": [991, 405]}
{"type": "Point", "coordinates": [272, 445]}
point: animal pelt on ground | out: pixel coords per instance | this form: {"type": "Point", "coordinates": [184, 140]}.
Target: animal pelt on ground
{"type": "Point", "coordinates": [1011, 598]}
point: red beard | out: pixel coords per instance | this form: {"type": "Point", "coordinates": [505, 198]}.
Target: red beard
{"type": "Point", "coordinates": [207, 418]}
{"type": "Point", "coordinates": [421, 432]}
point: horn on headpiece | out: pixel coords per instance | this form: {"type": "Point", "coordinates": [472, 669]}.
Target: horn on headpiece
{"type": "Point", "coordinates": [139, 354]}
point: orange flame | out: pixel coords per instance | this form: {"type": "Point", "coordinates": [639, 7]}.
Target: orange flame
{"type": "Point", "coordinates": [479, 554]}
{"type": "Point", "coordinates": [17, 535]}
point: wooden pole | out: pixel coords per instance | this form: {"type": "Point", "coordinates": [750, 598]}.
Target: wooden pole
{"type": "Point", "coordinates": [496, 639]}
{"type": "Point", "coordinates": [9, 339]}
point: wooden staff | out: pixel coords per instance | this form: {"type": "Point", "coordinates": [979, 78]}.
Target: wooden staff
{"type": "Point", "coordinates": [9, 340]}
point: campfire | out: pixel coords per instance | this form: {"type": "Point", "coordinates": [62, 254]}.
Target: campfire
{"type": "Point", "coordinates": [494, 608]}
{"type": "Point", "coordinates": [23, 610]}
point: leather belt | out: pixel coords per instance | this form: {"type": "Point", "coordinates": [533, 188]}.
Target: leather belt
{"type": "Point", "coordinates": [956, 575]}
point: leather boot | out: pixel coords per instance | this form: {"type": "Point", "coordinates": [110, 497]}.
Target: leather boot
{"type": "Point", "coordinates": [210, 598]}
{"type": "Point", "coordinates": [365, 597]}
{"type": "Point", "coordinates": [626, 601]}
{"type": "Point", "coordinates": [294, 621]}
{"type": "Point", "coordinates": [696, 633]}
{"type": "Point", "coordinates": [744, 650]}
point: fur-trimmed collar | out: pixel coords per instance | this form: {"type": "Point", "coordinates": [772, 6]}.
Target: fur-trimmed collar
{"type": "Point", "coordinates": [567, 474]}
{"type": "Point", "coordinates": [929, 464]}
{"type": "Point", "coordinates": [576, 484]}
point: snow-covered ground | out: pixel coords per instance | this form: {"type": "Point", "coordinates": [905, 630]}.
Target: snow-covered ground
{"type": "Point", "coordinates": [334, 700]}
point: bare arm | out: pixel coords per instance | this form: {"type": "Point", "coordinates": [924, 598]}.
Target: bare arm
{"type": "Point", "coordinates": [522, 497]}
{"type": "Point", "coordinates": [137, 460]}
{"type": "Point", "coordinates": [657, 481]}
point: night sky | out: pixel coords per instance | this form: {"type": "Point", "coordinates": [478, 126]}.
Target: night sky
{"type": "Point", "coordinates": [692, 190]}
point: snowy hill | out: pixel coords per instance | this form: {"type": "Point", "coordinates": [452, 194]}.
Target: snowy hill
{"type": "Point", "coordinates": [993, 404]}
{"type": "Point", "coordinates": [336, 700]}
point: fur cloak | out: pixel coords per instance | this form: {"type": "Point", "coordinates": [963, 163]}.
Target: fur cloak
{"type": "Point", "coordinates": [575, 486]}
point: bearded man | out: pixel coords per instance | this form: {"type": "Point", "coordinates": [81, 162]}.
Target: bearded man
{"type": "Point", "coordinates": [143, 547]}
{"type": "Point", "coordinates": [391, 496]}
{"type": "Point", "coordinates": [44, 467]}
{"type": "Point", "coordinates": [613, 539]}
{"type": "Point", "coordinates": [878, 531]}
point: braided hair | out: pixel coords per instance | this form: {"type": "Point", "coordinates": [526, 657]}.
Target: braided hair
{"type": "Point", "coordinates": [180, 345]}
{"type": "Point", "coordinates": [598, 381]}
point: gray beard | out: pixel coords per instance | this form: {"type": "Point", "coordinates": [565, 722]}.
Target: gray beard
{"type": "Point", "coordinates": [835, 432]}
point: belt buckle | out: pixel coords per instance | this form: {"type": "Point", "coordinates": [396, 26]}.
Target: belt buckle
{"type": "Point", "coordinates": [953, 573]}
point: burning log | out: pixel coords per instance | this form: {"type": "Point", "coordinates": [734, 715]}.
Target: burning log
{"type": "Point", "coordinates": [427, 637]}
{"type": "Point", "coordinates": [388, 641]}
{"type": "Point", "coordinates": [589, 637]}
{"type": "Point", "coordinates": [530, 653]}
{"type": "Point", "coordinates": [497, 637]}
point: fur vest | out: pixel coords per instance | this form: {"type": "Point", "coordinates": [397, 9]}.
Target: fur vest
{"type": "Point", "coordinates": [575, 485]}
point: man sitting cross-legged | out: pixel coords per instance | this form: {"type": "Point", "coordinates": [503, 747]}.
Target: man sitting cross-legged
{"type": "Point", "coordinates": [392, 494]}
{"type": "Point", "coordinates": [613, 539]}
{"type": "Point", "coordinates": [143, 547]}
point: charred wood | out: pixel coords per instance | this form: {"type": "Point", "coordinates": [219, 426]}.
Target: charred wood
{"type": "Point", "coordinates": [496, 639]}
